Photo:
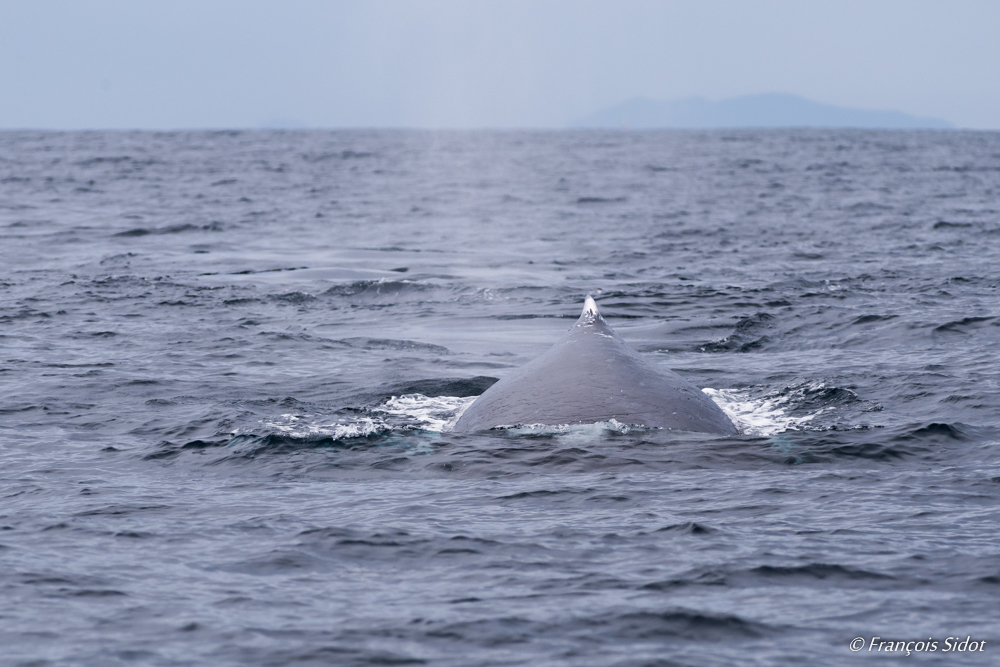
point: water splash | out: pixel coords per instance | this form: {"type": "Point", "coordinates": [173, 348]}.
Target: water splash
{"type": "Point", "coordinates": [765, 415]}
{"type": "Point", "coordinates": [428, 413]}
{"type": "Point", "coordinates": [311, 426]}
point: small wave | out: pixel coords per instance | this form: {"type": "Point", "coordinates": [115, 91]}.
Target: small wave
{"type": "Point", "coordinates": [380, 289]}
{"type": "Point", "coordinates": [687, 623]}
{"type": "Point", "coordinates": [171, 229]}
{"type": "Point", "coordinates": [746, 337]}
{"type": "Point", "coordinates": [817, 571]}
{"type": "Point", "coordinates": [689, 528]}
{"type": "Point", "coordinates": [393, 344]}
{"type": "Point", "coordinates": [293, 297]}
{"type": "Point", "coordinates": [600, 200]}
{"type": "Point", "coordinates": [456, 387]}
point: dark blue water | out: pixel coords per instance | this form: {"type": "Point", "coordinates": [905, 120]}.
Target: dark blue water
{"type": "Point", "coordinates": [229, 362]}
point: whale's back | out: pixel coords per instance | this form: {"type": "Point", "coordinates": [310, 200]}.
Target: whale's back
{"type": "Point", "coordinates": [593, 375]}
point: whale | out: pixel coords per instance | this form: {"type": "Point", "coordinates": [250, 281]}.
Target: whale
{"type": "Point", "coordinates": [592, 375]}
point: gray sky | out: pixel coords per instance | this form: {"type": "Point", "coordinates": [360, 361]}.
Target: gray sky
{"type": "Point", "coordinates": [503, 63]}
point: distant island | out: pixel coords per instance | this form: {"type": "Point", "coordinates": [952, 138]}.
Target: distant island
{"type": "Point", "coordinates": [765, 110]}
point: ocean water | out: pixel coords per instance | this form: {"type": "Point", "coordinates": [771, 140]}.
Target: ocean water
{"type": "Point", "coordinates": [229, 362]}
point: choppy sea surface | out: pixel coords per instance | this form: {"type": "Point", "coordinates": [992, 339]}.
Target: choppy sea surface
{"type": "Point", "coordinates": [229, 362]}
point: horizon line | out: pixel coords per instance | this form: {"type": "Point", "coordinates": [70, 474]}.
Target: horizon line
{"type": "Point", "coordinates": [490, 128]}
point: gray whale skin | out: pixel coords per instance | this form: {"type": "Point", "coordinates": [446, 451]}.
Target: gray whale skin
{"type": "Point", "coordinates": [593, 375]}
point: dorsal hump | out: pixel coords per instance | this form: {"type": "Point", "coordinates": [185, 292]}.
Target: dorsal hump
{"type": "Point", "coordinates": [590, 312]}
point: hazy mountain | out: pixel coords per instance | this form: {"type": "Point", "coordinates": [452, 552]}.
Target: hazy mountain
{"type": "Point", "coordinates": [766, 110]}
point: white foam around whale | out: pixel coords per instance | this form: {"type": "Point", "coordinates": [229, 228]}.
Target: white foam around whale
{"type": "Point", "coordinates": [762, 416]}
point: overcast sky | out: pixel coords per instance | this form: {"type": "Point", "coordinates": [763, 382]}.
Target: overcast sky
{"type": "Point", "coordinates": [504, 63]}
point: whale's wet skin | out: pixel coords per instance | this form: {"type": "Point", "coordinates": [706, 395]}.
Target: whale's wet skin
{"type": "Point", "coordinates": [231, 366]}
{"type": "Point", "coordinates": [592, 375]}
